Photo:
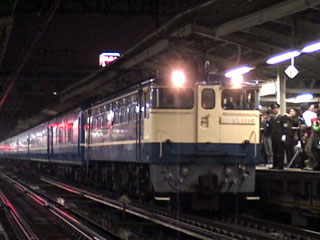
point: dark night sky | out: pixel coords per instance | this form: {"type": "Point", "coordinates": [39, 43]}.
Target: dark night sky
{"type": "Point", "coordinates": [83, 36]}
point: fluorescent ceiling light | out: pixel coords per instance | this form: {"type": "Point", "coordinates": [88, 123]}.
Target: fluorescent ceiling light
{"type": "Point", "coordinates": [283, 57]}
{"type": "Point", "coordinates": [305, 97]}
{"type": "Point", "coordinates": [311, 47]}
{"type": "Point", "coordinates": [237, 80]}
{"type": "Point", "coordinates": [238, 71]}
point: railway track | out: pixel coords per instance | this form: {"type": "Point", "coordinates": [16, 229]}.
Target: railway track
{"type": "Point", "coordinates": [73, 216]}
{"type": "Point", "coordinates": [39, 218]}
{"type": "Point", "coordinates": [236, 227]}
{"type": "Point", "coordinates": [231, 227]}
{"type": "Point", "coordinates": [20, 225]}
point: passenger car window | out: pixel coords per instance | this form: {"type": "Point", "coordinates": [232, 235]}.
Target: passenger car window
{"type": "Point", "coordinates": [123, 115]}
{"type": "Point", "coordinates": [60, 135]}
{"type": "Point", "coordinates": [94, 123]}
{"type": "Point", "coordinates": [70, 133]}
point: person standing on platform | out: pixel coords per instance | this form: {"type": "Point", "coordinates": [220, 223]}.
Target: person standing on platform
{"type": "Point", "coordinates": [317, 110]}
{"type": "Point", "coordinates": [309, 117]}
{"type": "Point", "coordinates": [278, 135]}
{"type": "Point", "coordinates": [292, 132]}
{"type": "Point", "coordinates": [315, 148]}
{"type": "Point", "coordinates": [267, 141]}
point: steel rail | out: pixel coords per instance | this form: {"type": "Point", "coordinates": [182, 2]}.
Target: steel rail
{"type": "Point", "coordinates": [299, 233]}
{"type": "Point", "coordinates": [22, 224]}
{"type": "Point", "coordinates": [193, 226]}
{"type": "Point", "coordinates": [74, 223]}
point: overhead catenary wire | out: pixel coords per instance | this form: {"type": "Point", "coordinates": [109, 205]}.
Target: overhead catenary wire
{"type": "Point", "coordinates": [26, 53]}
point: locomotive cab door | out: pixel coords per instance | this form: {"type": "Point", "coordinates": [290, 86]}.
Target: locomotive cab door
{"type": "Point", "coordinates": [208, 106]}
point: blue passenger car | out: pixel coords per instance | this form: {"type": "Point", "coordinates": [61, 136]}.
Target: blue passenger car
{"type": "Point", "coordinates": [38, 138]}
{"type": "Point", "coordinates": [113, 129]}
{"type": "Point", "coordinates": [23, 145]}
{"type": "Point", "coordinates": [65, 142]}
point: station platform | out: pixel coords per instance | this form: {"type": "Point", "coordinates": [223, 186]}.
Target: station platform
{"type": "Point", "coordinates": [293, 189]}
{"type": "Point", "coordinates": [297, 170]}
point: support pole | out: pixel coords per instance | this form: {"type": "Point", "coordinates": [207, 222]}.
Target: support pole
{"type": "Point", "coordinates": [281, 91]}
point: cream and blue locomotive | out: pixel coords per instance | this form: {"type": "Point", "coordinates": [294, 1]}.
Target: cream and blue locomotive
{"type": "Point", "coordinates": [163, 137]}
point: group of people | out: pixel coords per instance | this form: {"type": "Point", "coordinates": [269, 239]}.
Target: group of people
{"type": "Point", "coordinates": [292, 135]}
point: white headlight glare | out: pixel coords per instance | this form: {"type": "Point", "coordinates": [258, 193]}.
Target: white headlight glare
{"type": "Point", "coordinates": [178, 78]}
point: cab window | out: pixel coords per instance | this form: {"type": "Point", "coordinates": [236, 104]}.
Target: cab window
{"type": "Point", "coordinates": [208, 99]}
{"type": "Point", "coordinates": [172, 98]}
{"type": "Point", "coordinates": [240, 99]}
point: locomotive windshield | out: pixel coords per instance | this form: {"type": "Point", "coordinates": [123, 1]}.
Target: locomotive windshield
{"type": "Point", "coordinates": [173, 98]}
{"type": "Point", "coordinates": [240, 99]}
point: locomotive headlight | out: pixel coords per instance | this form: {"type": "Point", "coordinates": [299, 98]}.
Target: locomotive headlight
{"type": "Point", "coordinates": [178, 78]}
{"type": "Point", "coordinates": [185, 171]}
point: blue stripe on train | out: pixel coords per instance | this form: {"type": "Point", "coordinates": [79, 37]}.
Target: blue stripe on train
{"type": "Point", "coordinates": [155, 153]}
{"type": "Point", "coordinates": [178, 152]}
{"type": "Point", "coordinates": [69, 155]}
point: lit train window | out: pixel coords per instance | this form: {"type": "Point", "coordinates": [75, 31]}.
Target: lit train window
{"type": "Point", "coordinates": [132, 113]}
{"type": "Point", "coordinates": [60, 135]}
{"type": "Point", "coordinates": [115, 105]}
{"type": "Point", "coordinates": [56, 137]}
{"type": "Point", "coordinates": [124, 102]}
{"type": "Point", "coordinates": [208, 99]}
{"type": "Point", "coordinates": [99, 122]}
{"type": "Point", "coordinates": [70, 133]}
{"type": "Point", "coordinates": [134, 98]}
{"type": "Point", "coordinates": [116, 118]}
{"type": "Point", "coordinates": [44, 140]}
{"type": "Point", "coordinates": [94, 124]}
{"type": "Point", "coordinates": [123, 115]}
{"type": "Point", "coordinates": [105, 120]}
{"type": "Point", "coordinates": [173, 98]}
{"type": "Point", "coordinates": [39, 141]}
{"type": "Point", "coordinates": [239, 99]}
{"type": "Point", "coordinates": [146, 103]}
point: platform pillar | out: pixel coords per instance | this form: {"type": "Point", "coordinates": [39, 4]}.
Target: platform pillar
{"type": "Point", "coordinates": [281, 91]}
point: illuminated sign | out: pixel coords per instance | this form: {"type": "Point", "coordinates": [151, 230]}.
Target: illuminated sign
{"type": "Point", "coordinates": [108, 57]}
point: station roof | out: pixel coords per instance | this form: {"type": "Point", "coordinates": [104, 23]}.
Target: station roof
{"type": "Point", "coordinates": [51, 47]}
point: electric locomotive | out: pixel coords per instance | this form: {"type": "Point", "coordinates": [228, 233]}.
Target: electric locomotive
{"type": "Point", "coordinates": [173, 135]}
{"type": "Point", "coordinates": [162, 137]}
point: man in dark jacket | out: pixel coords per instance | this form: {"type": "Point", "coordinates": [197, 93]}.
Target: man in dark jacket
{"type": "Point", "coordinates": [292, 132]}
{"type": "Point", "coordinates": [266, 137]}
{"type": "Point", "coordinates": [278, 135]}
